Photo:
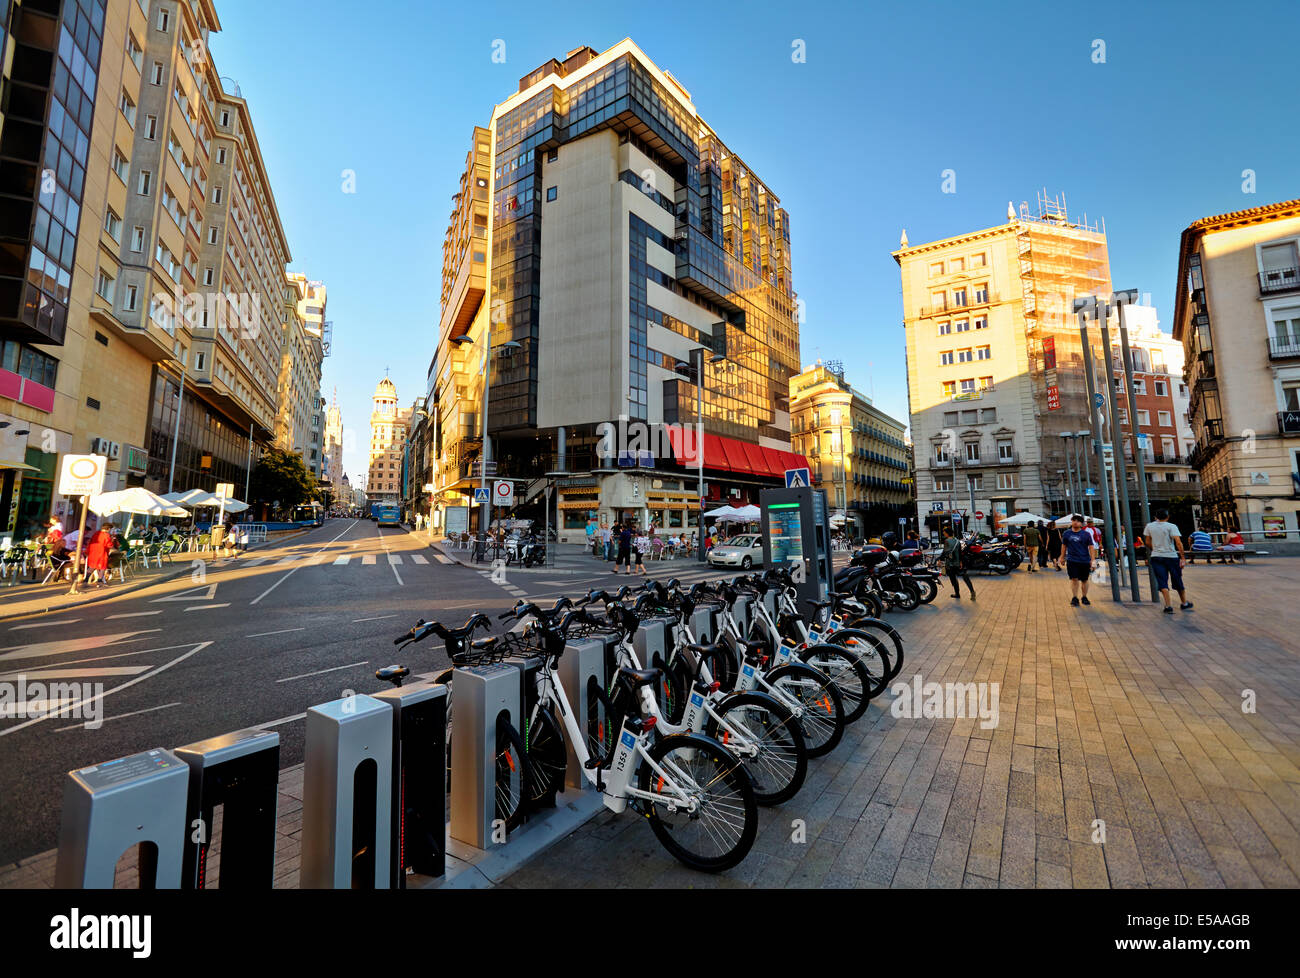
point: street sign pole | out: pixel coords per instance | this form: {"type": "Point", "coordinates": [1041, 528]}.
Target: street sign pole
{"type": "Point", "coordinates": [1117, 439]}
{"type": "Point", "coordinates": [1124, 299]}
{"type": "Point", "coordinates": [1094, 413]}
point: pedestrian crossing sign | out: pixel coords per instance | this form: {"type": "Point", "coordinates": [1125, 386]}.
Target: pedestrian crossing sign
{"type": "Point", "coordinates": [482, 496]}
{"type": "Point", "coordinates": [797, 478]}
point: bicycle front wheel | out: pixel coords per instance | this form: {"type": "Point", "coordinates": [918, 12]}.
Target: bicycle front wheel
{"type": "Point", "coordinates": [548, 761]}
{"type": "Point", "coordinates": [511, 776]}
{"type": "Point", "coordinates": [821, 708]}
{"type": "Point", "coordinates": [849, 673]}
{"type": "Point", "coordinates": [720, 831]}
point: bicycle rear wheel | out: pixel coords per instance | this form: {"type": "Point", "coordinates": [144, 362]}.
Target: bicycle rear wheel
{"type": "Point", "coordinates": [721, 830]}
{"type": "Point", "coordinates": [822, 709]}
{"type": "Point", "coordinates": [846, 669]}
{"type": "Point", "coordinates": [779, 769]}
{"type": "Point", "coordinates": [548, 761]}
{"type": "Point", "coordinates": [511, 776]}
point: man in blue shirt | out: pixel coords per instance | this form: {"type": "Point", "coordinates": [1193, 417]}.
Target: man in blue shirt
{"type": "Point", "coordinates": [1080, 559]}
{"type": "Point", "coordinates": [1201, 544]}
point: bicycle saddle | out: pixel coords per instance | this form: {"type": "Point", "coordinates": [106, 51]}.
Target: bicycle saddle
{"type": "Point", "coordinates": [485, 643]}
{"type": "Point", "coordinates": [392, 673]}
{"type": "Point", "coordinates": [637, 678]}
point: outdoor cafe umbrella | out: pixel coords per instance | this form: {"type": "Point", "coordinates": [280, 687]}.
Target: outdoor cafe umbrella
{"type": "Point", "coordinates": [722, 513]}
{"type": "Point", "coordinates": [747, 513]}
{"type": "Point", "coordinates": [1065, 520]}
{"type": "Point", "coordinates": [136, 501]}
{"type": "Point", "coordinates": [1020, 519]}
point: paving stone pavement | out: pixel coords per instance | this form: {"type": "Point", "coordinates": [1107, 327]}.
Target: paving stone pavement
{"type": "Point", "coordinates": [1108, 716]}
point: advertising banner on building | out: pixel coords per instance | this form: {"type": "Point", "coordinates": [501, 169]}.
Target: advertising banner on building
{"type": "Point", "coordinates": [457, 519]}
{"type": "Point", "coordinates": [1275, 527]}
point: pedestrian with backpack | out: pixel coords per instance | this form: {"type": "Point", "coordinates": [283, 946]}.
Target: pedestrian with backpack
{"type": "Point", "coordinates": [952, 564]}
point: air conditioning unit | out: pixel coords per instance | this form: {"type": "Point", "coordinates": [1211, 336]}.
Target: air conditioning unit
{"type": "Point", "coordinates": [102, 446]}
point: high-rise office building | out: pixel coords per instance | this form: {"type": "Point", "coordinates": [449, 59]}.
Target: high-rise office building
{"type": "Point", "coordinates": [604, 235]}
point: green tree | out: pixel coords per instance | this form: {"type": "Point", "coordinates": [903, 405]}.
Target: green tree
{"type": "Point", "coordinates": [280, 477]}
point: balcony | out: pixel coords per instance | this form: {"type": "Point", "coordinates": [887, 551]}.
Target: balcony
{"type": "Point", "coordinates": [1283, 347]}
{"type": "Point", "coordinates": [1159, 459]}
{"type": "Point", "coordinates": [1279, 280]}
{"type": "Point", "coordinates": [1288, 422]}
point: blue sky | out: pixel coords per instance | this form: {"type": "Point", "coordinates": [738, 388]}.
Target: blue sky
{"type": "Point", "coordinates": [854, 140]}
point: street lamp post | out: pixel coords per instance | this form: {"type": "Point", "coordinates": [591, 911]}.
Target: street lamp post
{"type": "Point", "coordinates": [1081, 438]}
{"type": "Point", "coordinates": [1082, 307]}
{"type": "Point", "coordinates": [1124, 299]}
{"type": "Point", "coordinates": [697, 365]}
{"type": "Point", "coordinates": [176, 432]}
{"type": "Point", "coordinates": [485, 455]}
{"type": "Point", "coordinates": [1068, 438]}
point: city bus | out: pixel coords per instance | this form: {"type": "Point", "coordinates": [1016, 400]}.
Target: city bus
{"type": "Point", "coordinates": [309, 513]}
{"type": "Point", "coordinates": [387, 514]}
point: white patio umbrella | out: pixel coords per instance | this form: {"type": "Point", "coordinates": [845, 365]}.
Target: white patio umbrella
{"type": "Point", "coordinates": [747, 513]}
{"type": "Point", "coordinates": [1020, 519]}
{"type": "Point", "coordinates": [197, 499]}
{"type": "Point", "coordinates": [721, 513]}
{"type": "Point", "coordinates": [1065, 520]}
{"type": "Point", "coordinates": [136, 501]}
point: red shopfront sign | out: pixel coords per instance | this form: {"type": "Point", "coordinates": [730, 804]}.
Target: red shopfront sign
{"type": "Point", "coordinates": [19, 388]}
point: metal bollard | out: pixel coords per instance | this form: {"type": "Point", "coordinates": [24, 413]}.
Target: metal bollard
{"type": "Point", "coordinates": [241, 772]}
{"type": "Point", "coordinates": [483, 693]}
{"type": "Point", "coordinates": [419, 796]}
{"type": "Point", "coordinates": [346, 804]}
{"type": "Point", "coordinates": [581, 666]}
{"type": "Point", "coordinates": [109, 807]}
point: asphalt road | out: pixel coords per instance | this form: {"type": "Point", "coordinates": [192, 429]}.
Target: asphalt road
{"type": "Point", "coordinates": [252, 641]}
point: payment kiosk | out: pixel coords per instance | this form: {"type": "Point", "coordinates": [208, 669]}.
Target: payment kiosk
{"type": "Point", "coordinates": [797, 535]}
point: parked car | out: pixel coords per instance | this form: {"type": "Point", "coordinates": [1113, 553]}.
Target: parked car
{"type": "Point", "coordinates": [744, 551]}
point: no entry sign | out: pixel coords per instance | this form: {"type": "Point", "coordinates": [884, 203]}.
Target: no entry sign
{"type": "Point", "coordinates": [503, 493]}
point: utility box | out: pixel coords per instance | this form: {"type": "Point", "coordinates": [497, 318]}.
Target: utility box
{"type": "Point", "coordinates": [797, 533]}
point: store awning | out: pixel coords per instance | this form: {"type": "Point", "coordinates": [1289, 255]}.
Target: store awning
{"type": "Point", "coordinates": [757, 461]}
{"type": "Point", "coordinates": [732, 455]}
{"type": "Point", "coordinates": [775, 461]}
{"type": "Point", "coordinates": [20, 466]}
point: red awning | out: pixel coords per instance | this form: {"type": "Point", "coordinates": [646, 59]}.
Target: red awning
{"type": "Point", "coordinates": [757, 461]}
{"type": "Point", "coordinates": [737, 461]}
{"type": "Point", "coordinates": [775, 463]}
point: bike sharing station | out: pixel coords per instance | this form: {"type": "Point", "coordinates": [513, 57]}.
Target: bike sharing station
{"type": "Point", "coordinates": [796, 534]}
{"type": "Point", "coordinates": [375, 794]}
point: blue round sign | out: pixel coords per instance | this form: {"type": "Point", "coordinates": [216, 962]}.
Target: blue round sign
{"type": "Point", "coordinates": [1099, 400]}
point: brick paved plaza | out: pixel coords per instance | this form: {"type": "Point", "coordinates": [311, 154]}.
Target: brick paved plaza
{"type": "Point", "coordinates": [1114, 713]}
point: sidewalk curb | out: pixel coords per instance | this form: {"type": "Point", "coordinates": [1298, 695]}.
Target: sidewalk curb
{"type": "Point", "coordinates": [137, 585]}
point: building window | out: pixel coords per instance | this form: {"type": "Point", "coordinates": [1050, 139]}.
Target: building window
{"type": "Point", "coordinates": [988, 415]}
{"type": "Point", "coordinates": [119, 164]}
{"type": "Point", "coordinates": [958, 265]}
{"type": "Point", "coordinates": [212, 234]}
{"type": "Point", "coordinates": [976, 482]}
{"type": "Point", "coordinates": [164, 19]}
{"type": "Point", "coordinates": [1008, 480]}
{"type": "Point", "coordinates": [949, 388]}
{"type": "Point", "coordinates": [225, 118]}
{"type": "Point", "coordinates": [941, 454]}
{"type": "Point", "coordinates": [936, 269]}
{"type": "Point", "coordinates": [938, 300]}
{"type": "Point", "coordinates": [221, 155]}
{"type": "Point", "coordinates": [983, 353]}
{"type": "Point", "coordinates": [127, 107]}
{"type": "Point", "coordinates": [132, 296]}
{"type": "Point", "coordinates": [146, 178]}
{"type": "Point", "coordinates": [134, 51]}
{"type": "Point", "coordinates": [151, 127]}
{"type": "Point", "coordinates": [550, 193]}
{"type": "Point", "coordinates": [982, 293]}
{"type": "Point", "coordinates": [981, 322]}
{"type": "Point", "coordinates": [950, 418]}
{"type": "Point", "coordinates": [945, 329]}
{"type": "Point", "coordinates": [977, 261]}
{"type": "Point", "coordinates": [968, 385]}
{"type": "Point", "coordinates": [1166, 419]}
{"type": "Point", "coordinates": [1161, 388]}
{"type": "Point", "coordinates": [200, 360]}
{"type": "Point", "coordinates": [943, 483]}
{"type": "Point", "coordinates": [1123, 415]}
{"type": "Point", "coordinates": [945, 358]}
{"type": "Point", "coordinates": [1139, 385]}
{"type": "Point", "coordinates": [958, 298]}
{"type": "Point", "coordinates": [216, 195]}
{"type": "Point", "coordinates": [963, 326]}
{"type": "Point", "coordinates": [972, 451]}
{"type": "Point", "coordinates": [1006, 451]}
{"type": "Point", "coordinates": [207, 276]}
{"type": "Point", "coordinates": [964, 356]}
{"type": "Point", "coordinates": [1144, 418]}
{"type": "Point", "coordinates": [113, 225]}
{"type": "Point", "coordinates": [104, 286]}
{"type": "Point", "coordinates": [552, 155]}
{"type": "Point", "coordinates": [156, 76]}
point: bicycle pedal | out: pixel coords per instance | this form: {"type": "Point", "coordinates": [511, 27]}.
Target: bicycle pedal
{"type": "Point", "coordinates": [592, 763]}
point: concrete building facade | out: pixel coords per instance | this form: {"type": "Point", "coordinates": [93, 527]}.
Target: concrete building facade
{"type": "Point", "coordinates": [387, 445]}
{"type": "Point", "coordinates": [1237, 314]}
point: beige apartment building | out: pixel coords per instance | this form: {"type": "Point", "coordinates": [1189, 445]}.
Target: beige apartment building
{"type": "Point", "coordinates": [333, 471]}
{"type": "Point", "coordinates": [1237, 314]}
{"type": "Point", "coordinates": [297, 427]}
{"type": "Point", "coordinates": [856, 452]}
{"type": "Point", "coordinates": [387, 444]}
{"type": "Point", "coordinates": [994, 360]}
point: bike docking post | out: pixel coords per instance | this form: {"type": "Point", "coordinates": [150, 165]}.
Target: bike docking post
{"type": "Point", "coordinates": [239, 771]}
{"type": "Point", "coordinates": [418, 807]}
{"type": "Point", "coordinates": [346, 803]}
{"type": "Point", "coordinates": [582, 675]}
{"type": "Point", "coordinates": [650, 642]}
{"type": "Point", "coordinates": [741, 612]}
{"type": "Point", "coordinates": [109, 807]}
{"type": "Point", "coordinates": [702, 625]}
{"type": "Point", "coordinates": [483, 694]}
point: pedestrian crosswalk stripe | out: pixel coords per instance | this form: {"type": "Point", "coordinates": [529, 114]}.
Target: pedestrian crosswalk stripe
{"type": "Point", "coordinates": [443, 559]}
{"type": "Point", "coordinates": [368, 560]}
{"type": "Point", "coordinates": [255, 561]}
{"type": "Point", "coordinates": [418, 559]}
{"type": "Point", "coordinates": [343, 560]}
{"type": "Point", "coordinates": [286, 560]}
{"type": "Point", "coordinates": [394, 558]}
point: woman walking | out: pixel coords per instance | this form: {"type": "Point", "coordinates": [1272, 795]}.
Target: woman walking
{"type": "Point", "coordinates": [1042, 545]}
{"type": "Point", "coordinates": [1054, 546]}
{"type": "Point", "coordinates": [97, 556]}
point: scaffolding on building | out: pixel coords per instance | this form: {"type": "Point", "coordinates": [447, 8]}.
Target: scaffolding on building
{"type": "Point", "coordinates": [1059, 260]}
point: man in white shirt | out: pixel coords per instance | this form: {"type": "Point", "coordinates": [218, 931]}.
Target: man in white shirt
{"type": "Point", "coordinates": [1165, 556]}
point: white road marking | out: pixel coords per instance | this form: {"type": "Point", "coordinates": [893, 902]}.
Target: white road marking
{"type": "Point", "coordinates": [343, 560]}
{"type": "Point", "coordinates": [280, 632]}
{"type": "Point", "coordinates": [391, 563]}
{"type": "Point", "coordinates": [210, 591]}
{"type": "Point", "coordinates": [134, 614]}
{"type": "Point", "coordinates": [46, 624]}
{"type": "Point", "coordinates": [394, 558]}
{"type": "Point", "coordinates": [321, 672]}
{"type": "Point", "coordinates": [443, 559]}
{"type": "Point", "coordinates": [120, 716]}
{"type": "Point", "coordinates": [418, 559]}
{"type": "Point", "coordinates": [83, 644]}
{"type": "Point", "coordinates": [287, 560]}
{"type": "Point", "coordinates": [368, 560]}
{"type": "Point", "coordinates": [208, 607]}
{"type": "Point", "coordinates": [109, 692]}
{"type": "Point", "coordinates": [376, 618]}
{"type": "Point", "coordinates": [290, 572]}
{"type": "Point", "coordinates": [76, 673]}
{"type": "Point", "coordinates": [257, 560]}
